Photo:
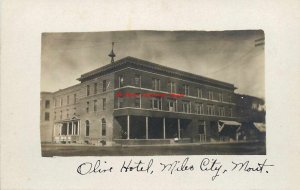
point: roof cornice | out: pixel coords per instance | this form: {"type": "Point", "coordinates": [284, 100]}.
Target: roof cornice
{"type": "Point", "coordinates": [146, 65]}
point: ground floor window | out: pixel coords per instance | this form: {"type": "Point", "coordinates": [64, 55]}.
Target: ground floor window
{"type": "Point", "coordinates": [103, 127]}
{"type": "Point", "coordinates": [87, 128]}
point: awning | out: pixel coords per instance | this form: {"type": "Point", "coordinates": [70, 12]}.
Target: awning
{"type": "Point", "coordinates": [260, 126]}
{"type": "Point", "coordinates": [223, 123]}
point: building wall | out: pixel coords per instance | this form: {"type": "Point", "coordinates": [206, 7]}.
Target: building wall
{"type": "Point", "coordinates": [45, 123]}
{"type": "Point", "coordinates": [146, 87]}
{"type": "Point", "coordinates": [88, 111]}
{"type": "Point", "coordinates": [64, 107]}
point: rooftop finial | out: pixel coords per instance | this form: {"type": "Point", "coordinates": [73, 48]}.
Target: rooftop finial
{"type": "Point", "coordinates": [112, 54]}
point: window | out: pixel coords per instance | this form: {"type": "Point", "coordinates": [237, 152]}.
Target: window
{"type": "Point", "coordinates": [68, 98]}
{"type": "Point", "coordinates": [230, 112]}
{"type": "Point", "coordinates": [95, 105]}
{"type": "Point", "coordinates": [137, 101]}
{"type": "Point", "coordinates": [95, 88]}
{"type": "Point", "coordinates": [87, 107]}
{"type": "Point", "coordinates": [103, 127]}
{"type": "Point", "coordinates": [186, 89]}
{"type": "Point", "coordinates": [55, 103]}
{"type": "Point", "coordinates": [104, 85]}
{"type": "Point", "coordinates": [199, 108]}
{"type": "Point", "coordinates": [137, 80]}
{"type": "Point", "coordinates": [87, 128]}
{"type": "Point", "coordinates": [186, 107]}
{"type": "Point", "coordinates": [61, 101]}
{"type": "Point", "coordinates": [155, 84]}
{"type": "Point", "coordinates": [221, 111]}
{"type": "Point", "coordinates": [54, 115]}
{"type": "Point", "coordinates": [229, 99]}
{"type": "Point", "coordinates": [210, 110]}
{"type": "Point", "coordinates": [74, 98]}
{"type": "Point", "coordinates": [121, 81]}
{"type": "Point", "coordinates": [157, 103]}
{"type": "Point", "coordinates": [199, 93]}
{"type": "Point", "coordinates": [172, 104]}
{"type": "Point", "coordinates": [210, 95]}
{"type": "Point", "coordinates": [104, 103]}
{"type": "Point", "coordinates": [172, 87]}
{"type": "Point", "coordinates": [88, 90]}
{"type": "Point", "coordinates": [60, 114]}
{"type": "Point", "coordinates": [47, 116]}
{"type": "Point", "coordinates": [220, 97]}
{"type": "Point", "coordinates": [47, 104]}
{"type": "Point", "coordinates": [67, 113]}
{"type": "Point", "coordinates": [201, 127]}
{"type": "Point", "coordinates": [120, 102]}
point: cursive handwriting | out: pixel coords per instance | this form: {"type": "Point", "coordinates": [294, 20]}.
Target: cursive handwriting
{"type": "Point", "coordinates": [137, 166]}
{"type": "Point", "coordinates": [244, 166]}
{"type": "Point", "coordinates": [211, 165]}
{"type": "Point", "coordinates": [87, 168]}
{"type": "Point", "coordinates": [206, 165]}
{"type": "Point", "coordinates": [177, 166]}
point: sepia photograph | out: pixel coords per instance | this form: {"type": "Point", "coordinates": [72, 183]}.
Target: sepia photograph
{"type": "Point", "coordinates": [143, 93]}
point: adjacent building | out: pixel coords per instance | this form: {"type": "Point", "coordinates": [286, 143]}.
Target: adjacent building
{"type": "Point", "coordinates": [133, 101]}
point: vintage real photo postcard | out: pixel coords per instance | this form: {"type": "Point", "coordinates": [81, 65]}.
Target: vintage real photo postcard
{"type": "Point", "coordinates": [142, 93]}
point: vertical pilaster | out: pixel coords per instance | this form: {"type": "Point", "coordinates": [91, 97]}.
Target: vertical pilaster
{"type": "Point", "coordinates": [178, 128]}
{"type": "Point", "coordinates": [164, 127]}
{"type": "Point", "coordinates": [147, 135]}
{"type": "Point", "coordinates": [68, 128]}
{"type": "Point", "coordinates": [128, 127]}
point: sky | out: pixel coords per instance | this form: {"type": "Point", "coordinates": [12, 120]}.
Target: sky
{"type": "Point", "coordinates": [229, 56]}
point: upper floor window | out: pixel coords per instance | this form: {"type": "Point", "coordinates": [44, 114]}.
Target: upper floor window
{"type": "Point", "coordinates": [220, 97]}
{"type": "Point", "coordinates": [104, 85]}
{"type": "Point", "coordinates": [95, 105]}
{"type": "Point", "coordinates": [61, 114]}
{"type": "Point", "coordinates": [137, 80]}
{"type": "Point", "coordinates": [75, 98]}
{"type": "Point", "coordinates": [55, 103]}
{"type": "Point", "coordinates": [95, 88]}
{"type": "Point", "coordinates": [229, 99]}
{"type": "Point", "coordinates": [210, 110]}
{"type": "Point", "coordinates": [47, 116]}
{"type": "Point", "coordinates": [186, 89]}
{"type": "Point", "coordinates": [68, 100]}
{"type": "Point", "coordinates": [186, 107]}
{"type": "Point", "coordinates": [172, 105]}
{"type": "Point", "coordinates": [88, 90]}
{"type": "Point", "coordinates": [67, 113]}
{"type": "Point", "coordinates": [230, 112]}
{"type": "Point", "coordinates": [199, 93]}
{"type": "Point", "coordinates": [104, 103]}
{"type": "Point", "coordinates": [61, 101]}
{"type": "Point", "coordinates": [221, 111]}
{"type": "Point", "coordinates": [47, 104]}
{"type": "Point", "coordinates": [103, 127]}
{"type": "Point", "coordinates": [137, 101]}
{"type": "Point", "coordinates": [121, 81]}
{"type": "Point", "coordinates": [155, 84]}
{"type": "Point", "coordinates": [87, 107]}
{"type": "Point", "coordinates": [199, 108]}
{"type": "Point", "coordinates": [156, 103]}
{"type": "Point", "coordinates": [210, 95]}
{"type": "Point", "coordinates": [172, 87]}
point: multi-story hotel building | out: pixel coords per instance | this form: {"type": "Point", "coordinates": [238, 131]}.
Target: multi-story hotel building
{"type": "Point", "coordinates": [133, 101]}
